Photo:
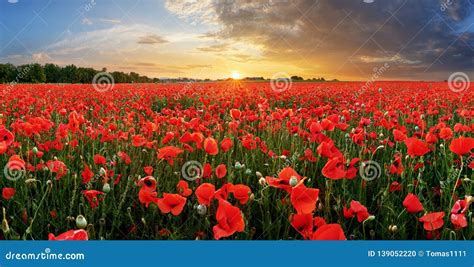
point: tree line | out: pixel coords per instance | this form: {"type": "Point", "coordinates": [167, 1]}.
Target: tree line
{"type": "Point", "coordinates": [52, 73]}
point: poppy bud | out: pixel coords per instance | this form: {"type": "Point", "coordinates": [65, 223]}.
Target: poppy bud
{"type": "Point", "coordinates": [293, 181]}
{"type": "Point", "coordinates": [251, 197]}
{"type": "Point", "coordinates": [81, 222]}
{"type": "Point", "coordinates": [393, 228]}
{"type": "Point", "coordinates": [201, 209]}
{"type": "Point", "coordinates": [370, 218]}
{"type": "Point", "coordinates": [30, 181]}
{"type": "Point", "coordinates": [238, 166]}
{"type": "Point", "coordinates": [106, 188]}
{"type": "Point", "coordinates": [262, 181]}
{"type": "Point", "coordinates": [55, 158]}
{"type": "Point", "coordinates": [248, 171]}
{"type": "Point", "coordinates": [469, 199]}
{"type": "Point", "coordinates": [441, 145]}
{"type": "Point", "coordinates": [102, 171]}
{"type": "Point", "coordinates": [282, 157]}
{"type": "Point", "coordinates": [35, 150]}
{"type": "Point", "coordinates": [320, 206]}
{"type": "Point", "coordinates": [49, 183]}
{"type": "Point", "coordinates": [380, 90]}
{"type": "Point", "coordinates": [259, 174]}
{"type": "Point", "coordinates": [417, 128]}
{"type": "Point", "coordinates": [5, 227]}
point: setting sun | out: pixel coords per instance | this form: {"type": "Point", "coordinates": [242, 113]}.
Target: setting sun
{"type": "Point", "coordinates": [235, 75]}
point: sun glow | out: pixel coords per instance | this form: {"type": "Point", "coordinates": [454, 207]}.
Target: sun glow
{"type": "Point", "coordinates": [235, 75]}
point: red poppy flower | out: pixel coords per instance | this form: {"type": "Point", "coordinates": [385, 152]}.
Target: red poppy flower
{"type": "Point", "coordinates": [445, 133]}
{"type": "Point", "coordinates": [125, 157]}
{"type": "Point", "coordinates": [304, 199]}
{"type": "Point", "coordinates": [148, 170]}
{"type": "Point", "coordinates": [399, 135]}
{"type": "Point", "coordinates": [86, 174]}
{"type": "Point", "coordinates": [318, 221]}
{"type": "Point", "coordinates": [183, 188]}
{"type": "Point", "coordinates": [147, 193]}
{"type": "Point", "coordinates": [3, 147]}
{"type": "Point", "coordinates": [458, 216]}
{"type": "Point", "coordinates": [241, 193]}
{"type": "Point", "coordinates": [168, 153]}
{"type": "Point", "coordinates": [138, 140]}
{"type": "Point", "coordinates": [210, 146]}
{"type": "Point", "coordinates": [303, 223]}
{"type": "Point", "coordinates": [226, 144]}
{"type": "Point", "coordinates": [283, 180]}
{"type": "Point", "coordinates": [329, 232]}
{"type": "Point", "coordinates": [416, 147]}
{"type": "Point", "coordinates": [395, 186]}
{"type": "Point", "coordinates": [173, 203]}
{"type": "Point", "coordinates": [334, 169]}
{"type": "Point", "coordinates": [235, 114]}
{"type": "Point", "coordinates": [92, 197]}
{"type": "Point", "coordinates": [229, 220]}
{"type": "Point", "coordinates": [205, 193]}
{"type": "Point", "coordinates": [412, 203]}
{"type": "Point", "coordinates": [462, 145]}
{"type": "Point", "coordinates": [223, 192]}
{"type": "Point", "coordinates": [99, 160]}
{"type": "Point", "coordinates": [207, 170]}
{"type": "Point", "coordinates": [6, 136]}
{"type": "Point", "coordinates": [397, 167]}
{"type": "Point", "coordinates": [70, 235]}
{"type": "Point", "coordinates": [356, 209]}
{"type": "Point", "coordinates": [58, 167]}
{"type": "Point", "coordinates": [8, 192]}
{"type": "Point", "coordinates": [328, 150]}
{"type": "Point", "coordinates": [432, 221]}
{"type": "Point", "coordinates": [221, 171]}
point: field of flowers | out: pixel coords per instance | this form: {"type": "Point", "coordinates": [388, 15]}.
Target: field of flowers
{"type": "Point", "coordinates": [235, 160]}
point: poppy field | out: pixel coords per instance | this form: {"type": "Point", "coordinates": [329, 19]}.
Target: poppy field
{"type": "Point", "coordinates": [237, 160]}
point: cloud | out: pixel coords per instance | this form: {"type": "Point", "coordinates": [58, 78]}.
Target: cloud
{"type": "Point", "coordinates": [110, 21]}
{"type": "Point", "coordinates": [151, 39]}
{"type": "Point", "coordinates": [86, 21]}
{"type": "Point", "coordinates": [345, 39]}
{"type": "Point", "coordinates": [40, 57]}
{"type": "Point", "coordinates": [215, 48]}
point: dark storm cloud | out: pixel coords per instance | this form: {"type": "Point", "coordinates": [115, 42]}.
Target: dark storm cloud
{"type": "Point", "coordinates": [420, 39]}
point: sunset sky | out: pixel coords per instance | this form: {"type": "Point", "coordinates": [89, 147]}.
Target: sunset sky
{"type": "Point", "coordinates": [347, 40]}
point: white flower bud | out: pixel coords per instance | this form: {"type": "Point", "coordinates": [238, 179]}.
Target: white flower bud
{"type": "Point", "coordinates": [81, 222]}
{"type": "Point", "coordinates": [106, 188]}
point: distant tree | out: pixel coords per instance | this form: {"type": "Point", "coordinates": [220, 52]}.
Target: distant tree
{"type": "Point", "coordinates": [7, 73]}
{"type": "Point", "coordinates": [296, 78]}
